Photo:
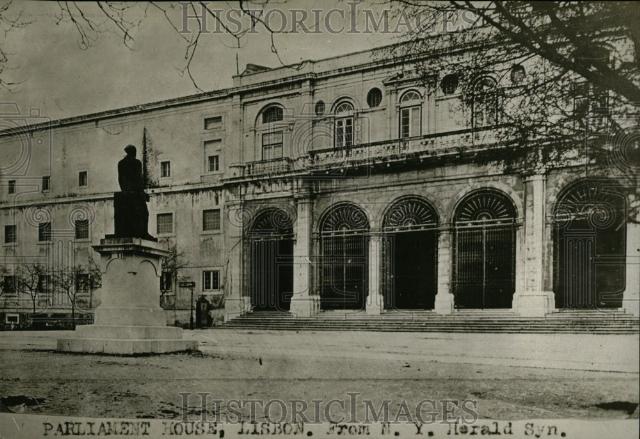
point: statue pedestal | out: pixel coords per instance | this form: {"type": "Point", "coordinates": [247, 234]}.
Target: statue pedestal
{"type": "Point", "coordinates": [129, 319]}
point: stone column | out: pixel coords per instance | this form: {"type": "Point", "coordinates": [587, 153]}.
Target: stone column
{"type": "Point", "coordinates": [444, 298]}
{"type": "Point", "coordinates": [530, 298]}
{"type": "Point", "coordinates": [631, 298]}
{"type": "Point", "coordinates": [236, 303]}
{"type": "Point", "coordinates": [303, 303]}
{"type": "Point", "coordinates": [375, 301]}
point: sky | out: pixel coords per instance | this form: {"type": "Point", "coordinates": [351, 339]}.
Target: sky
{"type": "Point", "coordinates": [56, 77]}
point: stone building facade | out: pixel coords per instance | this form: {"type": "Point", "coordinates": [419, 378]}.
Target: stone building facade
{"type": "Point", "coordinates": [346, 184]}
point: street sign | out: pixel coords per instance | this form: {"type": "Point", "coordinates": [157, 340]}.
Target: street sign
{"type": "Point", "coordinates": [187, 284]}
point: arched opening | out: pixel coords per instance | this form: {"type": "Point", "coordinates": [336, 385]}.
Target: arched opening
{"type": "Point", "coordinates": [343, 125]}
{"type": "Point", "coordinates": [270, 128]}
{"type": "Point", "coordinates": [485, 103]}
{"type": "Point", "coordinates": [590, 246]}
{"type": "Point", "coordinates": [344, 243]}
{"type": "Point", "coordinates": [271, 261]}
{"type": "Point", "coordinates": [410, 123]}
{"type": "Point", "coordinates": [485, 251]}
{"type": "Point", "coordinates": [410, 249]}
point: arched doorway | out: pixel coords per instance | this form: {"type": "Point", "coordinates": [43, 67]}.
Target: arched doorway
{"type": "Point", "coordinates": [589, 246]}
{"type": "Point", "coordinates": [410, 249]}
{"type": "Point", "coordinates": [271, 256]}
{"type": "Point", "coordinates": [344, 243]}
{"type": "Point", "coordinates": [485, 249]}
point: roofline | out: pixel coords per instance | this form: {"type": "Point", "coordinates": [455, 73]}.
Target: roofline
{"type": "Point", "coordinates": [213, 94]}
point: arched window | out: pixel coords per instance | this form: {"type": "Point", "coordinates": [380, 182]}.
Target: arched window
{"type": "Point", "coordinates": [272, 114]}
{"type": "Point", "coordinates": [343, 125]}
{"type": "Point", "coordinates": [271, 132]}
{"type": "Point", "coordinates": [485, 102]}
{"type": "Point", "coordinates": [485, 251]}
{"type": "Point", "coordinates": [345, 254]}
{"type": "Point", "coordinates": [410, 114]}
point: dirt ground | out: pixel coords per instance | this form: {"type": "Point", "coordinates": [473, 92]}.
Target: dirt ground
{"type": "Point", "coordinates": [47, 382]}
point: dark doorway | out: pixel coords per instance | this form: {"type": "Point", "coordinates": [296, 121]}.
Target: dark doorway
{"type": "Point", "coordinates": [410, 249]}
{"type": "Point", "coordinates": [590, 247]}
{"type": "Point", "coordinates": [271, 261]}
{"type": "Point", "coordinates": [413, 267]}
{"type": "Point", "coordinates": [272, 274]}
{"type": "Point", "coordinates": [485, 245]}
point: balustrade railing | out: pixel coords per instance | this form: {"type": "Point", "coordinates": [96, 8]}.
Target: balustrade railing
{"type": "Point", "coordinates": [396, 148]}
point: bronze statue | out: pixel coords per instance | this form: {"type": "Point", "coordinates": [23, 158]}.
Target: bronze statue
{"type": "Point", "coordinates": [131, 216]}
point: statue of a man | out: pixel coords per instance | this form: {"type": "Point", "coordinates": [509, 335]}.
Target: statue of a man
{"type": "Point", "coordinates": [130, 205]}
{"type": "Point", "coordinates": [130, 171]}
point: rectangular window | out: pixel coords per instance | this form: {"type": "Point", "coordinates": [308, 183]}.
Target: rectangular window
{"type": "Point", "coordinates": [410, 122]}
{"type": "Point", "coordinates": [272, 145]}
{"type": "Point", "coordinates": [9, 284]}
{"type": "Point", "coordinates": [46, 183]}
{"type": "Point", "coordinates": [10, 234]}
{"type": "Point", "coordinates": [12, 187]}
{"type": "Point", "coordinates": [83, 178]}
{"type": "Point", "coordinates": [212, 122]}
{"type": "Point", "coordinates": [210, 280]}
{"type": "Point", "coordinates": [344, 132]}
{"type": "Point", "coordinates": [44, 232]}
{"type": "Point", "coordinates": [82, 229]}
{"type": "Point", "coordinates": [213, 163]}
{"type": "Point", "coordinates": [165, 169]}
{"type": "Point", "coordinates": [211, 220]}
{"type": "Point", "coordinates": [165, 223]}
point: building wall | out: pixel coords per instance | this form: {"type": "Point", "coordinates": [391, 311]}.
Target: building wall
{"type": "Point", "coordinates": [176, 131]}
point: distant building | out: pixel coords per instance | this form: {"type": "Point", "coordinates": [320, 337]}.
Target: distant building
{"type": "Point", "coordinates": [346, 183]}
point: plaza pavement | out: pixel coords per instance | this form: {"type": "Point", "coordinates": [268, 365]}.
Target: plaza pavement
{"type": "Point", "coordinates": [606, 353]}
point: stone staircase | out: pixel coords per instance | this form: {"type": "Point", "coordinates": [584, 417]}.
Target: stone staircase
{"type": "Point", "coordinates": [489, 321]}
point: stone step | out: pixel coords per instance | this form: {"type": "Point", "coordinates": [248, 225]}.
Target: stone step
{"type": "Point", "coordinates": [437, 323]}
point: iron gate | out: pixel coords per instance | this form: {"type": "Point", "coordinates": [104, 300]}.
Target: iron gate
{"type": "Point", "coordinates": [344, 271]}
{"type": "Point", "coordinates": [271, 274]}
{"type": "Point", "coordinates": [484, 267]}
{"type": "Point", "coordinates": [484, 251]}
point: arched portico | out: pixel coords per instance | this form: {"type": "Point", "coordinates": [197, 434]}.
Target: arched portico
{"type": "Point", "coordinates": [484, 250]}
{"type": "Point", "coordinates": [410, 247]}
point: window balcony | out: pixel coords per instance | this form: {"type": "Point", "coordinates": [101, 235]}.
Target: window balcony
{"type": "Point", "coordinates": [432, 145]}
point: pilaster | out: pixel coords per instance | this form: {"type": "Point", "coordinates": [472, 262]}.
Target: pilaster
{"type": "Point", "coordinates": [444, 302]}
{"type": "Point", "coordinates": [375, 301]}
{"type": "Point", "coordinates": [531, 299]}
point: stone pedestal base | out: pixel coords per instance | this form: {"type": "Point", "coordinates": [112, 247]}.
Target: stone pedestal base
{"type": "Point", "coordinates": [534, 304]}
{"type": "Point", "coordinates": [443, 303]}
{"type": "Point", "coordinates": [304, 306]}
{"type": "Point", "coordinates": [129, 320]}
{"type": "Point", "coordinates": [375, 304]}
